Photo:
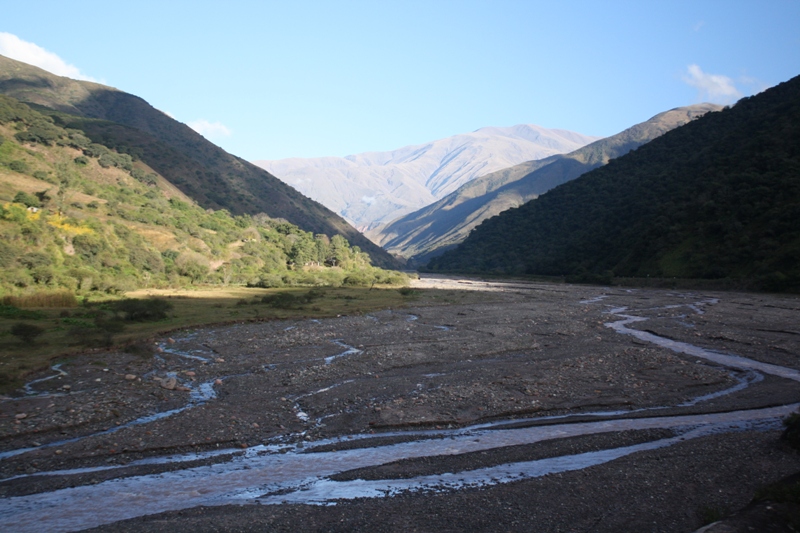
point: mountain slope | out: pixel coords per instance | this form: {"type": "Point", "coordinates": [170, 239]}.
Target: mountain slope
{"type": "Point", "coordinates": [377, 187]}
{"type": "Point", "coordinates": [202, 170]}
{"type": "Point", "coordinates": [716, 198]}
{"type": "Point", "coordinates": [76, 215]}
{"type": "Point", "coordinates": [445, 223]}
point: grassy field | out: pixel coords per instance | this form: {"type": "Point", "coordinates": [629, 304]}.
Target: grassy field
{"type": "Point", "coordinates": [70, 330]}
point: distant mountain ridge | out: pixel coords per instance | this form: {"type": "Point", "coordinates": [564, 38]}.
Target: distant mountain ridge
{"type": "Point", "coordinates": [443, 224]}
{"type": "Point", "coordinates": [200, 169]}
{"type": "Point", "coordinates": [717, 198]}
{"type": "Point", "coordinates": [377, 187]}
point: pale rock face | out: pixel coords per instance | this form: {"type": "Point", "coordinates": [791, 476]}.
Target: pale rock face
{"type": "Point", "coordinates": [375, 188]}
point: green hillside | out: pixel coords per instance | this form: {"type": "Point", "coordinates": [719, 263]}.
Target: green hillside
{"type": "Point", "coordinates": [80, 216]}
{"type": "Point", "coordinates": [716, 198]}
{"type": "Point", "coordinates": [442, 225]}
{"type": "Point", "coordinates": [203, 171]}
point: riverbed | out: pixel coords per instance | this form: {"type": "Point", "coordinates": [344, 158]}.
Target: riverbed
{"type": "Point", "coordinates": [495, 406]}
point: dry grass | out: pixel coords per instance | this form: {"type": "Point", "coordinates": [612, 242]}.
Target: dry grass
{"type": "Point", "coordinates": [46, 299]}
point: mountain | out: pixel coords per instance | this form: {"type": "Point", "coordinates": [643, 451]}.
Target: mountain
{"type": "Point", "coordinates": [716, 198]}
{"type": "Point", "coordinates": [78, 216]}
{"type": "Point", "coordinates": [440, 226]}
{"type": "Point", "coordinates": [200, 169]}
{"type": "Point", "coordinates": [377, 187]}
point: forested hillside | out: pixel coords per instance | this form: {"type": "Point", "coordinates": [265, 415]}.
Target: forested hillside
{"type": "Point", "coordinates": [78, 215]}
{"type": "Point", "coordinates": [716, 198]}
{"type": "Point", "coordinates": [433, 229]}
{"type": "Point", "coordinates": [200, 169]}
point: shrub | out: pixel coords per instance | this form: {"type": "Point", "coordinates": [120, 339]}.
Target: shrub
{"type": "Point", "coordinates": [142, 310]}
{"type": "Point", "coordinates": [36, 259]}
{"type": "Point", "coordinates": [8, 255]}
{"type": "Point", "coordinates": [281, 300]}
{"type": "Point", "coordinates": [26, 199]}
{"type": "Point", "coordinates": [18, 166]}
{"type": "Point", "coordinates": [28, 333]}
{"type": "Point", "coordinates": [358, 279]}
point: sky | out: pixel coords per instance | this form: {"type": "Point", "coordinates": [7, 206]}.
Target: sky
{"type": "Point", "coordinates": [273, 80]}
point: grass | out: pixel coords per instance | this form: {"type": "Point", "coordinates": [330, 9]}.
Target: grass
{"type": "Point", "coordinates": [65, 328]}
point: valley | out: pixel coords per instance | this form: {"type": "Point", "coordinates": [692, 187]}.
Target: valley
{"type": "Point", "coordinates": [493, 405]}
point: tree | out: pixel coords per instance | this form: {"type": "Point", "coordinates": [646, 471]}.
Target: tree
{"type": "Point", "coordinates": [339, 250]}
{"type": "Point", "coordinates": [28, 200]}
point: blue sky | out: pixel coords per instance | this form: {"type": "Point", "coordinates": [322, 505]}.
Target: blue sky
{"type": "Point", "coordinates": [269, 80]}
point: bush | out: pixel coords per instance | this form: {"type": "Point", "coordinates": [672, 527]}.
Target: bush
{"type": "Point", "coordinates": [358, 279]}
{"type": "Point", "coordinates": [28, 333]}
{"type": "Point", "coordinates": [18, 166]}
{"type": "Point", "coordinates": [28, 200]}
{"type": "Point", "coordinates": [281, 300]}
{"type": "Point", "coordinates": [142, 310]}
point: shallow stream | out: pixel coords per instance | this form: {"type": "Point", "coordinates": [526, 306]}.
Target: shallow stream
{"type": "Point", "coordinates": [278, 473]}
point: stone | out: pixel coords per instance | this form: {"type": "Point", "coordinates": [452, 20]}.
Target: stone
{"type": "Point", "coordinates": [130, 377]}
{"type": "Point", "coordinates": [169, 383]}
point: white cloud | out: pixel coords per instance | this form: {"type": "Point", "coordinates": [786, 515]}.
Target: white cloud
{"type": "Point", "coordinates": [210, 129]}
{"type": "Point", "coordinates": [713, 87]}
{"type": "Point", "coordinates": [369, 200]}
{"type": "Point", "coordinates": [15, 48]}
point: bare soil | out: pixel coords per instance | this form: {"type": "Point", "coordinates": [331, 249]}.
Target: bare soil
{"type": "Point", "coordinates": [462, 352]}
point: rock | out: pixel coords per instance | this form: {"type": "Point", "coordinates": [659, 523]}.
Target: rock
{"type": "Point", "coordinates": [171, 340]}
{"type": "Point", "coordinates": [130, 377]}
{"type": "Point", "coordinates": [66, 387]}
{"type": "Point", "coordinates": [20, 416]}
{"type": "Point", "coordinates": [169, 383]}
{"type": "Point", "coordinates": [182, 388]}
{"type": "Point", "coordinates": [217, 381]}
{"type": "Point", "coordinates": [189, 373]}
{"type": "Point", "coordinates": [219, 360]}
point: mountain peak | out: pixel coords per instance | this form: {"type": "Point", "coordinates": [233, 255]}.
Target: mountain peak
{"type": "Point", "coordinates": [373, 188]}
